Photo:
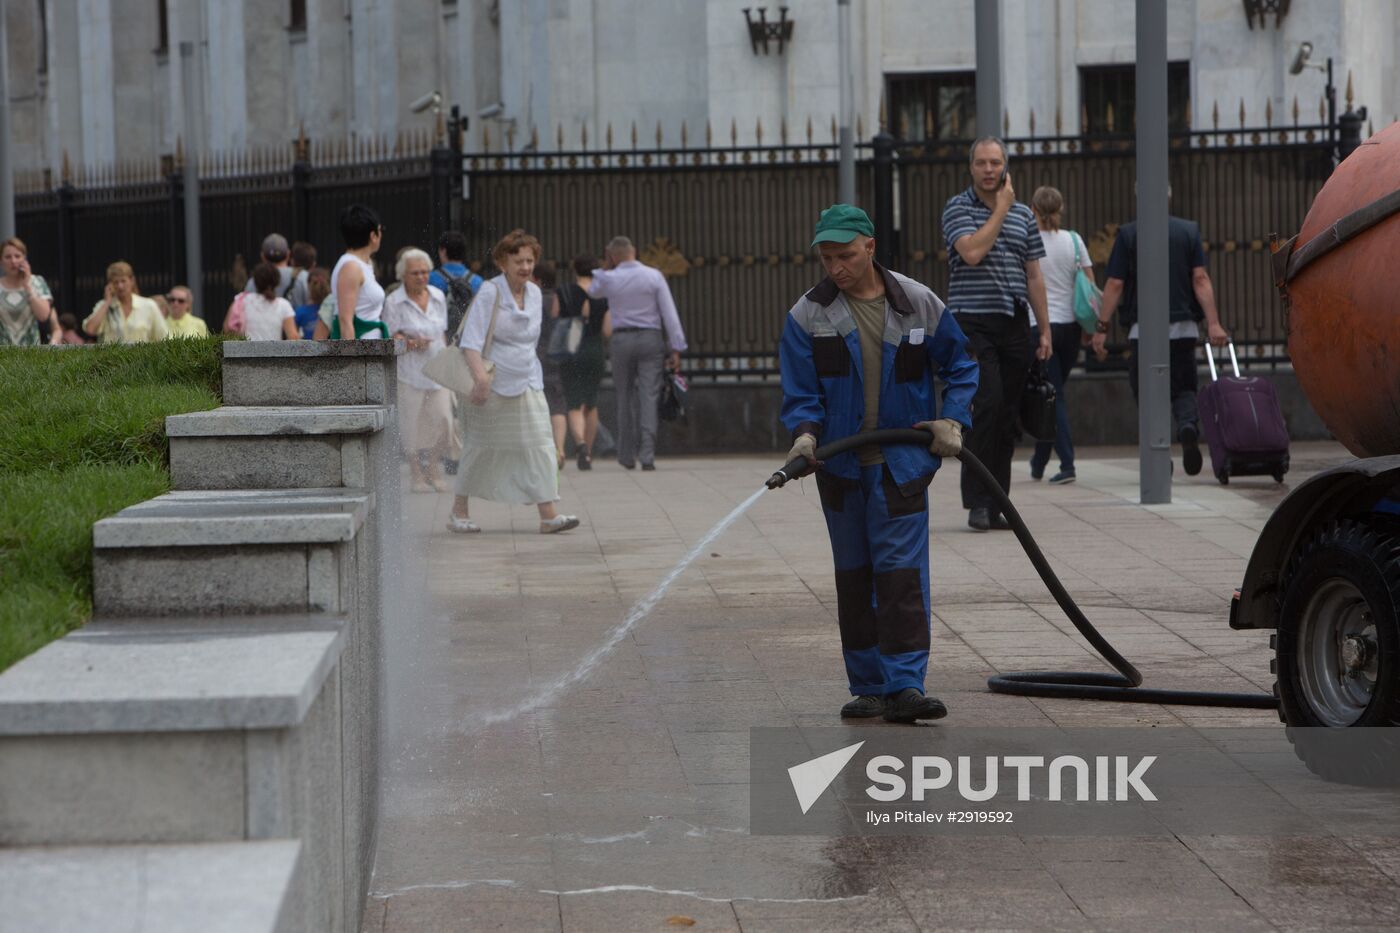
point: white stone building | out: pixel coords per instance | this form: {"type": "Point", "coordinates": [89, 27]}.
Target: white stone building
{"type": "Point", "coordinates": [100, 80]}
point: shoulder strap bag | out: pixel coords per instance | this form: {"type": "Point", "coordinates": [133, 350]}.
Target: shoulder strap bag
{"type": "Point", "coordinates": [449, 368]}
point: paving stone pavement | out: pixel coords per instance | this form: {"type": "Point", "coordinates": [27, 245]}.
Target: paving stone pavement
{"type": "Point", "coordinates": [621, 803]}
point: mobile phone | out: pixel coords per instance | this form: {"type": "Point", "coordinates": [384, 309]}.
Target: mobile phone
{"type": "Point", "coordinates": [1002, 182]}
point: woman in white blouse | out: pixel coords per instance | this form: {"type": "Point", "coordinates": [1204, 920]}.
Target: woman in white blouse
{"type": "Point", "coordinates": [417, 315]}
{"type": "Point", "coordinates": [508, 450]}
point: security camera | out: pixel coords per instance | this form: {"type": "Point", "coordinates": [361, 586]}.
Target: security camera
{"type": "Point", "coordinates": [1300, 60]}
{"type": "Point", "coordinates": [431, 99]}
{"type": "Point", "coordinates": [491, 110]}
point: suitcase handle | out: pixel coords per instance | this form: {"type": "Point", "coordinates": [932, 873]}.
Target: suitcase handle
{"type": "Point", "coordinates": [1210, 359]}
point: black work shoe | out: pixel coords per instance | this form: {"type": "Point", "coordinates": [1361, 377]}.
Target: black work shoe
{"type": "Point", "coordinates": [1000, 522]}
{"type": "Point", "coordinates": [863, 707]}
{"type": "Point", "coordinates": [979, 519]}
{"type": "Point", "coordinates": [648, 467]}
{"type": "Point", "coordinates": [909, 705]}
{"type": "Point", "coordinates": [627, 466]}
{"type": "Point", "coordinates": [1190, 450]}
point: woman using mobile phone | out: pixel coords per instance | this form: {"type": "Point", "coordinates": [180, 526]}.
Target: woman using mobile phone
{"type": "Point", "coordinates": [25, 300]}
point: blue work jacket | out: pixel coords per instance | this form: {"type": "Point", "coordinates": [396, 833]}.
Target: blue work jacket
{"type": "Point", "coordinates": [823, 382]}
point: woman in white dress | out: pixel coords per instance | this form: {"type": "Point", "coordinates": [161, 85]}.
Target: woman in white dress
{"type": "Point", "coordinates": [508, 450]}
{"type": "Point", "coordinates": [417, 315]}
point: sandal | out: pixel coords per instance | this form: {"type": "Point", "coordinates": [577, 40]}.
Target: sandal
{"type": "Point", "coordinates": [462, 526]}
{"type": "Point", "coordinates": [558, 523]}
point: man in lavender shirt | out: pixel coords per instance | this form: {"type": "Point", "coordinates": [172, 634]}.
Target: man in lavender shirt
{"type": "Point", "coordinates": [646, 334]}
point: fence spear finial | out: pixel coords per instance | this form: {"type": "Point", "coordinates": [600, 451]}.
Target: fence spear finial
{"type": "Point", "coordinates": [833, 129]}
{"type": "Point", "coordinates": [1005, 123]}
{"type": "Point", "coordinates": [1269, 112]}
{"type": "Point", "coordinates": [782, 131]}
{"type": "Point", "coordinates": [534, 138]}
{"type": "Point", "coordinates": [860, 126]}
{"type": "Point", "coordinates": [758, 131]}
{"type": "Point", "coordinates": [658, 134]}
{"type": "Point", "coordinates": [1108, 117]}
{"type": "Point", "coordinates": [809, 129]}
{"type": "Point", "coordinates": [1295, 109]}
{"type": "Point", "coordinates": [634, 134]}
{"type": "Point", "coordinates": [66, 172]}
{"type": "Point", "coordinates": [559, 138]}
{"type": "Point", "coordinates": [583, 135]}
{"type": "Point", "coordinates": [609, 138]}
{"type": "Point", "coordinates": [1348, 88]}
{"type": "Point", "coordinates": [179, 151]}
{"type": "Point", "coordinates": [709, 134]}
{"type": "Point", "coordinates": [1084, 118]}
{"type": "Point", "coordinates": [883, 116]}
{"type": "Point", "coordinates": [733, 131]}
{"type": "Point", "coordinates": [1031, 121]}
{"type": "Point", "coordinates": [685, 136]}
{"type": "Point", "coordinates": [1215, 114]}
{"type": "Point", "coordinates": [1241, 112]}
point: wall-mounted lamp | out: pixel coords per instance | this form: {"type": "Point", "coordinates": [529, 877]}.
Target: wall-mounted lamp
{"type": "Point", "coordinates": [761, 32]}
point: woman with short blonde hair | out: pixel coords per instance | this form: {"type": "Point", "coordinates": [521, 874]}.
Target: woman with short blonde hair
{"type": "Point", "coordinates": [417, 315]}
{"type": "Point", "coordinates": [508, 452]}
{"type": "Point", "coordinates": [124, 315]}
{"type": "Point", "coordinates": [25, 299]}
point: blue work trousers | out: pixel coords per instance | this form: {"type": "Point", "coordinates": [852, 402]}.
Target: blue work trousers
{"type": "Point", "coordinates": [879, 544]}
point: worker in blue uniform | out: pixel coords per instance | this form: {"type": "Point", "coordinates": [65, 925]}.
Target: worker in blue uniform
{"type": "Point", "coordinates": [860, 351]}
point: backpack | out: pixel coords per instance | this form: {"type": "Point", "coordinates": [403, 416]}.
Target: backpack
{"type": "Point", "coordinates": [459, 297]}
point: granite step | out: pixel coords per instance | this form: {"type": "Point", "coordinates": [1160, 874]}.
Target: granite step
{"type": "Point", "coordinates": [230, 552]}
{"type": "Point", "coordinates": [190, 732]}
{"type": "Point", "coordinates": [276, 447]}
{"type": "Point", "coordinates": [305, 372]}
{"type": "Point", "coordinates": [244, 887]}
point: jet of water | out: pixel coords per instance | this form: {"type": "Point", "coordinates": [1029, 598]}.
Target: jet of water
{"type": "Point", "coordinates": [639, 611]}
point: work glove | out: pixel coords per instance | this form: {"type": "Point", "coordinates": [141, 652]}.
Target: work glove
{"type": "Point", "coordinates": [805, 447]}
{"type": "Point", "coordinates": [947, 437]}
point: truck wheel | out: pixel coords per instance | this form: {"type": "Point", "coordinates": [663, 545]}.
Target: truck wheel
{"type": "Point", "coordinates": [1337, 652]}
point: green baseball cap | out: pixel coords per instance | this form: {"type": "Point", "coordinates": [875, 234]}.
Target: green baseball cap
{"type": "Point", "coordinates": [842, 223]}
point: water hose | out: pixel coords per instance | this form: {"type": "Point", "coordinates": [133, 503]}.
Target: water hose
{"type": "Point", "coordinates": [1124, 686]}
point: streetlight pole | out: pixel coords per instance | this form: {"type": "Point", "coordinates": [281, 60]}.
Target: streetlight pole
{"type": "Point", "coordinates": [7, 175]}
{"type": "Point", "coordinates": [987, 14]}
{"type": "Point", "coordinates": [194, 106]}
{"type": "Point", "coordinates": [846, 170]}
{"type": "Point", "coordinates": [1153, 350]}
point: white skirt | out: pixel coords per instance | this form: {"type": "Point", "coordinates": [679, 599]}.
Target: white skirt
{"type": "Point", "coordinates": [508, 450]}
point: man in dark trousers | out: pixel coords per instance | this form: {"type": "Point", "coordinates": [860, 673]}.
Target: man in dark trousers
{"type": "Point", "coordinates": [1191, 299]}
{"type": "Point", "coordinates": [860, 352]}
{"type": "Point", "coordinates": [994, 253]}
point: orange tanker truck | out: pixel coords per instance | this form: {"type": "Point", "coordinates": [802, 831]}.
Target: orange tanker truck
{"type": "Point", "coordinates": [1325, 574]}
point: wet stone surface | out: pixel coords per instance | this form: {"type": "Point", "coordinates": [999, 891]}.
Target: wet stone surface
{"type": "Point", "coordinates": [621, 803]}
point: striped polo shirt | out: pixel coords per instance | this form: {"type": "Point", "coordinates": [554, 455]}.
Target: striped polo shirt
{"type": "Point", "coordinates": [998, 282]}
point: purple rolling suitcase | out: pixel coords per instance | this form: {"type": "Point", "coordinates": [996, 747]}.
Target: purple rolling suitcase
{"type": "Point", "coordinates": [1243, 424]}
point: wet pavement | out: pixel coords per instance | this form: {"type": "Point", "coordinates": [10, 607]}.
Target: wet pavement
{"type": "Point", "coordinates": [621, 803]}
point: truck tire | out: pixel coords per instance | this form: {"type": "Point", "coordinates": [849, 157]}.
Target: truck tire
{"type": "Point", "coordinates": [1337, 649]}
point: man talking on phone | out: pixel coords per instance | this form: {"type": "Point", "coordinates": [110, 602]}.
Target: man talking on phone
{"type": "Point", "coordinates": [994, 286]}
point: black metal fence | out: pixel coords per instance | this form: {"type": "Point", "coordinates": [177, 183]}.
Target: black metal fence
{"type": "Point", "coordinates": [729, 225]}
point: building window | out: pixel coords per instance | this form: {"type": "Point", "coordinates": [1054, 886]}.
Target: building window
{"type": "Point", "coordinates": [1108, 94]}
{"type": "Point", "coordinates": [297, 20]}
{"type": "Point", "coordinates": [933, 106]}
{"type": "Point", "coordinates": [162, 26]}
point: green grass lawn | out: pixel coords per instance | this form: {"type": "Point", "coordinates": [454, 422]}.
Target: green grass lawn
{"type": "Point", "coordinates": [83, 438]}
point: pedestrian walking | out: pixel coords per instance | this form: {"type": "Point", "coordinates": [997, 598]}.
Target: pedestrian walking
{"type": "Point", "coordinates": [359, 298]}
{"type": "Point", "coordinates": [647, 338]}
{"type": "Point", "coordinates": [453, 278]}
{"type": "Point", "coordinates": [546, 278]}
{"type": "Point", "coordinates": [318, 287]}
{"type": "Point", "coordinates": [266, 315]}
{"type": "Point", "coordinates": [183, 322]}
{"type": "Point", "coordinates": [583, 372]}
{"type": "Point", "coordinates": [1065, 256]}
{"type": "Point", "coordinates": [123, 315]}
{"type": "Point", "coordinates": [508, 453]}
{"type": "Point", "coordinates": [994, 252]}
{"type": "Point", "coordinates": [417, 315]}
{"type": "Point", "coordinates": [25, 299]}
{"type": "Point", "coordinates": [858, 352]}
{"type": "Point", "coordinates": [1190, 300]}
{"type": "Point", "coordinates": [291, 281]}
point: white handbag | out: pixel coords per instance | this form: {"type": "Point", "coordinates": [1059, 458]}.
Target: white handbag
{"type": "Point", "coordinates": [449, 368]}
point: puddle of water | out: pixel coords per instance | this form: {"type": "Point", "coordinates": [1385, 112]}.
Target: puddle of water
{"type": "Point", "coordinates": [635, 616]}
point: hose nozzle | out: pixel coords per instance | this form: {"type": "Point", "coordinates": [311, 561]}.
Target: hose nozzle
{"type": "Point", "coordinates": [790, 470]}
